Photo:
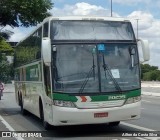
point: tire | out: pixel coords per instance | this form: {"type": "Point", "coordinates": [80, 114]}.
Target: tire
{"type": "Point", "coordinates": [114, 123]}
{"type": "Point", "coordinates": [0, 94]}
{"type": "Point", "coordinates": [19, 103]}
{"type": "Point", "coordinates": [46, 125]}
{"type": "Point", "coordinates": [23, 111]}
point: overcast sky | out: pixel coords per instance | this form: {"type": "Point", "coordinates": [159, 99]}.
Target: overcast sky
{"type": "Point", "coordinates": [148, 11]}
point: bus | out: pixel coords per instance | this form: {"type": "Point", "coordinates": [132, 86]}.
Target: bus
{"type": "Point", "coordinates": [80, 70]}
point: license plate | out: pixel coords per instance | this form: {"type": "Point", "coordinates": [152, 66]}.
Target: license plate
{"type": "Point", "coordinates": [101, 115]}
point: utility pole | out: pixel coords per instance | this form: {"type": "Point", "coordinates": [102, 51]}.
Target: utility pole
{"type": "Point", "coordinates": [111, 8]}
{"type": "Point", "coordinates": [137, 27]}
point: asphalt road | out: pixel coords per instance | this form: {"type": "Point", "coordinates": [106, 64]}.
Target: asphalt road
{"type": "Point", "coordinates": [12, 120]}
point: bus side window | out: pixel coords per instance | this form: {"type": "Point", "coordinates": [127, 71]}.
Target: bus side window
{"type": "Point", "coordinates": [38, 43]}
{"type": "Point", "coordinates": [47, 80]}
{"type": "Point", "coordinates": [45, 30]}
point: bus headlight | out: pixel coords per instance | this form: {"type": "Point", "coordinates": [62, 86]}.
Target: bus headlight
{"type": "Point", "coordinates": [63, 103]}
{"type": "Point", "coordinates": [133, 100]}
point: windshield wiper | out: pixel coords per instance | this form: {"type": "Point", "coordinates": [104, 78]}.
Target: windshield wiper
{"type": "Point", "coordinates": [88, 76]}
{"type": "Point", "coordinates": [106, 68]}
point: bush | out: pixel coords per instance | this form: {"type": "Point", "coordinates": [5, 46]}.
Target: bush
{"type": "Point", "coordinates": [6, 69]}
{"type": "Point", "coordinates": [150, 73]}
{"type": "Point", "coordinates": [151, 76]}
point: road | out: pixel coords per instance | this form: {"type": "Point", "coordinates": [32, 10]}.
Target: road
{"type": "Point", "coordinates": [11, 119]}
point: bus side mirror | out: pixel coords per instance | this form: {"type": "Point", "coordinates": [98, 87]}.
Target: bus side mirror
{"type": "Point", "coordinates": [46, 50]}
{"type": "Point", "coordinates": [145, 49]}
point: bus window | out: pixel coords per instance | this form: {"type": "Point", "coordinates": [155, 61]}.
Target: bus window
{"type": "Point", "coordinates": [47, 80]}
{"type": "Point", "coordinates": [45, 30]}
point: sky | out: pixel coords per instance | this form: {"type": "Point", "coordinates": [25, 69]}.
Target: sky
{"type": "Point", "coordinates": [147, 11]}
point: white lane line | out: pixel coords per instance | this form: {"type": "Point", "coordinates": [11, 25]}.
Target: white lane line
{"type": "Point", "coordinates": [142, 108]}
{"type": "Point", "coordinates": [137, 127]}
{"type": "Point", "coordinates": [148, 138]}
{"type": "Point", "coordinates": [9, 127]}
{"type": "Point", "coordinates": [146, 101]}
{"type": "Point", "coordinates": [140, 138]}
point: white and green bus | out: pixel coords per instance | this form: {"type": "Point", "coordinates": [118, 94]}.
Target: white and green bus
{"type": "Point", "coordinates": [80, 70]}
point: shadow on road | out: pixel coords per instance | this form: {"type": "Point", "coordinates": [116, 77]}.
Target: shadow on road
{"type": "Point", "coordinates": [9, 111]}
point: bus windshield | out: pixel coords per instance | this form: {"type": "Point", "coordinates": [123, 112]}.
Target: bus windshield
{"type": "Point", "coordinates": [88, 68]}
{"type": "Point", "coordinates": [89, 30]}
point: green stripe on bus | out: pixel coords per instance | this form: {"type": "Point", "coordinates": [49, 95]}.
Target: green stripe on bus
{"type": "Point", "coordinates": [110, 96]}
{"type": "Point", "coordinates": [64, 97]}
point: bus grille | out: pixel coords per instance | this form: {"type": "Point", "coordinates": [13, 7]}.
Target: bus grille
{"type": "Point", "coordinates": [102, 104]}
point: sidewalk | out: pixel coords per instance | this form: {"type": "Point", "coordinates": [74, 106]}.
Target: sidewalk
{"type": "Point", "coordinates": [9, 88]}
{"type": "Point", "coordinates": [151, 94]}
{"type": "Point", "coordinates": [151, 88]}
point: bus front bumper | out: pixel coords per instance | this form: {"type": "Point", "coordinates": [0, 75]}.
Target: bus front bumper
{"type": "Point", "coordinates": [75, 116]}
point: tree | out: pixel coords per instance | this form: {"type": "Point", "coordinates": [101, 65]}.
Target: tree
{"type": "Point", "coordinates": [6, 34]}
{"type": "Point", "coordinates": [17, 13]}
{"type": "Point", "coordinates": [147, 68]}
{"type": "Point", "coordinates": [5, 69]}
{"type": "Point", "coordinates": [151, 76]}
{"type": "Point", "coordinates": [23, 12]}
{"type": "Point", "coordinates": [150, 73]}
{"type": "Point", "coordinates": [5, 47]}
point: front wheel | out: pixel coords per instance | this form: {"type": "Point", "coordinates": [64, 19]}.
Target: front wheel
{"type": "Point", "coordinates": [0, 94]}
{"type": "Point", "coordinates": [23, 111]}
{"type": "Point", "coordinates": [114, 123]}
{"type": "Point", "coordinates": [45, 124]}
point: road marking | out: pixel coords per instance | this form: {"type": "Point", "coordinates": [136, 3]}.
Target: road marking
{"type": "Point", "coordinates": [148, 138]}
{"type": "Point", "coordinates": [9, 127]}
{"type": "Point", "coordinates": [146, 101]}
{"type": "Point", "coordinates": [142, 108]}
{"type": "Point", "coordinates": [137, 127]}
{"type": "Point", "coordinates": [140, 138]}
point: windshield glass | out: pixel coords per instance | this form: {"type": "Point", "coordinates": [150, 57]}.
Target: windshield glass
{"type": "Point", "coordinates": [88, 68]}
{"type": "Point", "coordinates": [75, 66]}
{"type": "Point", "coordinates": [121, 62]}
{"type": "Point", "coordinates": [91, 30]}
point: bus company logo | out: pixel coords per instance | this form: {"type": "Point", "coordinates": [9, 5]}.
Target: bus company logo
{"type": "Point", "coordinates": [6, 134]}
{"type": "Point", "coordinates": [119, 97]}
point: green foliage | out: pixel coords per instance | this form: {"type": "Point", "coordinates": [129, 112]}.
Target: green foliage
{"type": "Point", "coordinates": [28, 51]}
{"type": "Point", "coordinates": [26, 54]}
{"type": "Point", "coordinates": [150, 73]}
{"type": "Point", "coordinates": [158, 78]}
{"type": "Point", "coordinates": [6, 69]}
{"type": "Point", "coordinates": [23, 12]}
{"type": "Point", "coordinates": [5, 34]}
{"type": "Point", "coordinates": [5, 47]}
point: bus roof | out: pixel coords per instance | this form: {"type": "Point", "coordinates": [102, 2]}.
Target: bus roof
{"type": "Point", "coordinates": [93, 18]}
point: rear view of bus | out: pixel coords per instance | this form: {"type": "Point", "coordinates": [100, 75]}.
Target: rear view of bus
{"type": "Point", "coordinates": [95, 71]}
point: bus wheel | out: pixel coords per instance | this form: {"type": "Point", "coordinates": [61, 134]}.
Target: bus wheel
{"type": "Point", "coordinates": [45, 124]}
{"type": "Point", "coordinates": [23, 111]}
{"type": "Point", "coordinates": [19, 103]}
{"type": "Point", "coordinates": [114, 123]}
{"type": "Point", "coordinates": [0, 94]}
